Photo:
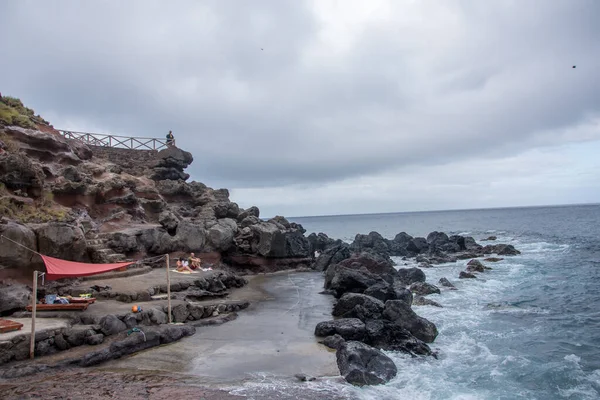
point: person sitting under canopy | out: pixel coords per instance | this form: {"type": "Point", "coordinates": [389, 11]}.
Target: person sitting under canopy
{"type": "Point", "coordinates": [182, 265]}
{"type": "Point", "coordinates": [194, 261]}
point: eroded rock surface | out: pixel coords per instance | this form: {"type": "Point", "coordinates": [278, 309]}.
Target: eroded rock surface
{"type": "Point", "coordinates": [362, 365]}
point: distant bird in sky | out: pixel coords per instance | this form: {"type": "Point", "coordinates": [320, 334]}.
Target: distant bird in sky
{"type": "Point", "coordinates": [574, 66]}
{"type": "Point", "coordinates": [262, 49]}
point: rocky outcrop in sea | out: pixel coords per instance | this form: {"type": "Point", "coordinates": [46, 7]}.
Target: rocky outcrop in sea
{"type": "Point", "coordinates": [375, 298]}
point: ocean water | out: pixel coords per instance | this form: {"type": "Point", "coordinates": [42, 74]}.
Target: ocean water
{"type": "Point", "coordinates": [528, 329]}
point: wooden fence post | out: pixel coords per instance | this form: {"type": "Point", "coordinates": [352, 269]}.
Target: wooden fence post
{"type": "Point", "coordinates": [168, 289]}
{"type": "Point", "coordinates": [33, 310]}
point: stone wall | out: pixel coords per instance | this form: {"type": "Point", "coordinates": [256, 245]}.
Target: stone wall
{"type": "Point", "coordinates": [134, 162]}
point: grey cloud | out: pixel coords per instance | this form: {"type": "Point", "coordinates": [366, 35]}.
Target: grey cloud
{"type": "Point", "coordinates": [273, 117]}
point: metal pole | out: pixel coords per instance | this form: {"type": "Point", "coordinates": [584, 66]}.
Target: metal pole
{"type": "Point", "coordinates": [33, 310]}
{"type": "Point", "coordinates": [168, 289]}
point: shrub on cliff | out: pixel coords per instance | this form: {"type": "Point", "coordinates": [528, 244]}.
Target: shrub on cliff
{"type": "Point", "coordinates": [27, 210]}
{"type": "Point", "coordinates": [13, 112]}
{"type": "Point", "coordinates": [9, 116]}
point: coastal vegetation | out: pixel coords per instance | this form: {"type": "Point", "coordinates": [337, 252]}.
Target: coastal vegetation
{"type": "Point", "coordinates": [13, 112]}
{"type": "Point", "coordinates": [30, 210]}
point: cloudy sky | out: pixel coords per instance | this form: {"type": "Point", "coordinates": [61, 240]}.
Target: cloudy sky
{"type": "Point", "coordinates": [331, 106]}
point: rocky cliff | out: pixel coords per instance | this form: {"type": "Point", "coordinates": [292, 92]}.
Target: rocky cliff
{"type": "Point", "coordinates": [86, 203]}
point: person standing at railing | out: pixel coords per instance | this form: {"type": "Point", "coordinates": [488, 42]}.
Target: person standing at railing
{"type": "Point", "coordinates": [170, 139]}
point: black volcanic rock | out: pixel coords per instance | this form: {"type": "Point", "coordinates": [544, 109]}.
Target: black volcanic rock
{"type": "Point", "coordinates": [334, 341]}
{"type": "Point", "coordinates": [20, 173]}
{"type": "Point", "coordinates": [11, 254]}
{"type": "Point", "coordinates": [388, 335]}
{"type": "Point", "coordinates": [252, 211]}
{"type": "Point", "coordinates": [424, 288]}
{"type": "Point", "coordinates": [171, 163]}
{"type": "Point", "coordinates": [362, 365]}
{"type": "Point", "coordinates": [270, 240]}
{"type": "Point", "coordinates": [355, 305]}
{"type": "Point", "coordinates": [347, 328]}
{"type": "Point", "coordinates": [61, 240]}
{"type": "Point", "coordinates": [400, 243]}
{"type": "Point", "coordinates": [376, 263]}
{"type": "Point", "coordinates": [378, 266]}
{"type": "Point", "coordinates": [226, 210]}
{"type": "Point", "coordinates": [320, 242]}
{"type": "Point", "coordinates": [173, 157]}
{"type": "Point", "coordinates": [397, 311]}
{"type": "Point", "coordinates": [445, 282]}
{"type": "Point", "coordinates": [437, 238]}
{"type": "Point", "coordinates": [424, 301]}
{"type": "Point", "coordinates": [249, 221]}
{"type": "Point", "coordinates": [13, 297]}
{"type": "Point", "coordinates": [169, 173]}
{"type": "Point", "coordinates": [349, 280]}
{"type": "Point", "coordinates": [418, 245]}
{"type": "Point", "coordinates": [501, 250]}
{"type": "Point", "coordinates": [382, 291]}
{"type": "Point", "coordinates": [280, 220]}
{"type": "Point", "coordinates": [297, 245]}
{"type": "Point", "coordinates": [409, 276]}
{"type": "Point", "coordinates": [475, 266]}
{"type": "Point", "coordinates": [332, 256]}
{"type": "Point", "coordinates": [373, 241]}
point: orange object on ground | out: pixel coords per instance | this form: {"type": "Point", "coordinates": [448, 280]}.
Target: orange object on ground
{"type": "Point", "coordinates": [58, 307]}
{"type": "Point", "coordinates": [9, 326]}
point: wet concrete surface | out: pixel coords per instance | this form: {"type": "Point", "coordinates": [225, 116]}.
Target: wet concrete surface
{"type": "Point", "coordinates": [274, 337]}
{"type": "Point", "coordinates": [42, 325]}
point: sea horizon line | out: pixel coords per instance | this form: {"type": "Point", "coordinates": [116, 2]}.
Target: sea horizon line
{"type": "Point", "coordinates": [440, 210]}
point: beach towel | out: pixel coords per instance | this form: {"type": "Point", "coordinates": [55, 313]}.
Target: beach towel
{"type": "Point", "coordinates": [183, 272]}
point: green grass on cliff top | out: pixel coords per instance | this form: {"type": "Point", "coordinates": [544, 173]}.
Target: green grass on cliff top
{"type": "Point", "coordinates": [13, 112]}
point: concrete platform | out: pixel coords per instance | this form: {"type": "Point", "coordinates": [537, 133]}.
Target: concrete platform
{"type": "Point", "coordinates": [154, 277]}
{"type": "Point", "coordinates": [41, 325]}
{"type": "Point", "coordinates": [140, 282]}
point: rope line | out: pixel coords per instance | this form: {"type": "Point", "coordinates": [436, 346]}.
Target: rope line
{"type": "Point", "coordinates": [19, 244]}
{"type": "Point", "coordinates": [152, 258]}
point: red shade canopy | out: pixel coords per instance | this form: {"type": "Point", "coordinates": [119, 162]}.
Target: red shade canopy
{"type": "Point", "coordinates": [56, 268]}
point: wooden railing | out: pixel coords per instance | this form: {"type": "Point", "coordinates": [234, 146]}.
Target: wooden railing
{"type": "Point", "coordinates": [122, 142]}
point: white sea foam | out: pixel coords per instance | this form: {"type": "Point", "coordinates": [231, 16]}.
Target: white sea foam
{"type": "Point", "coordinates": [588, 384]}
{"type": "Point", "coordinates": [579, 392]}
{"type": "Point", "coordinates": [573, 358]}
{"type": "Point", "coordinates": [466, 325]}
{"type": "Point", "coordinates": [275, 387]}
{"type": "Point", "coordinates": [594, 378]}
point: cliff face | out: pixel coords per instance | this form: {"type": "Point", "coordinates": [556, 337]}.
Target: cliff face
{"type": "Point", "coordinates": [86, 203]}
